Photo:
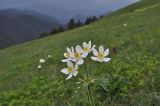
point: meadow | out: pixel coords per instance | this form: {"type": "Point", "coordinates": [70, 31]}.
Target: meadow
{"type": "Point", "coordinates": [131, 78]}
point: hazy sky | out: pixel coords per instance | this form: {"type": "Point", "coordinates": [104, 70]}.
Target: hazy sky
{"type": "Point", "coordinates": [65, 9]}
{"type": "Point", "coordinates": [89, 3]}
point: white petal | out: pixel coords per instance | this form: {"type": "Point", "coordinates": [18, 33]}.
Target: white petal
{"type": "Point", "coordinates": [85, 44]}
{"type": "Point", "coordinates": [101, 49]}
{"type": "Point", "coordinates": [65, 60]}
{"type": "Point", "coordinates": [94, 58]}
{"type": "Point", "coordinates": [106, 59]}
{"type": "Point", "coordinates": [70, 76]}
{"type": "Point", "coordinates": [100, 60]}
{"type": "Point", "coordinates": [106, 52]}
{"type": "Point", "coordinates": [89, 44]}
{"type": "Point", "coordinates": [72, 49]}
{"type": "Point", "coordinates": [79, 49]}
{"type": "Point", "coordinates": [65, 55]}
{"type": "Point", "coordinates": [68, 50]}
{"type": "Point", "coordinates": [65, 71]}
{"type": "Point", "coordinates": [76, 67]}
{"type": "Point", "coordinates": [69, 63]}
{"type": "Point", "coordinates": [95, 52]}
{"type": "Point", "coordinates": [93, 47]}
{"type": "Point", "coordinates": [80, 61]}
{"type": "Point", "coordinates": [75, 73]}
{"type": "Point", "coordinates": [74, 60]}
{"type": "Point", "coordinates": [85, 54]}
{"type": "Point", "coordinates": [72, 55]}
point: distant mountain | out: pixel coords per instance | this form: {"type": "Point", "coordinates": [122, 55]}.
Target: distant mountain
{"type": "Point", "coordinates": [20, 26]}
{"type": "Point", "coordinates": [6, 40]}
{"type": "Point", "coordinates": [62, 13]}
{"type": "Point", "coordinates": [83, 18]}
{"type": "Point", "coordinates": [80, 17]}
{"type": "Point", "coordinates": [63, 10]}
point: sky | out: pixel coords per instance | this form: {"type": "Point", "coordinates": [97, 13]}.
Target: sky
{"type": "Point", "coordinates": [66, 9]}
{"type": "Point", "coordinates": [63, 3]}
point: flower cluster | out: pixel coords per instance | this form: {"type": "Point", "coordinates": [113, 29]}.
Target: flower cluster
{"type": "Point", "coordinates": [75, 57]}
{"type": "Point", "coordinates": [42, 61]}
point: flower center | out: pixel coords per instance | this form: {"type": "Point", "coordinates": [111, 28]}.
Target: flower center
{"type": "Point", "coordinates": [68, 55]}
{"type": "Point", "coordinates": [77, 55]}
{"type": "Point", "coordinates": [100, 55]}
{"type": "Point", "coordinates": [70, 69]}
{"type": "Point", "coordinates": [86, 49]}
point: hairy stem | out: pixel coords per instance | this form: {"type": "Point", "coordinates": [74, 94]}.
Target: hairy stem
{"type": "Point", "coordinates": [91, 95]}
{"type": "Point", "coordinates": [89, 87]}
{"type": "Point", "coordinates": [87, 74]}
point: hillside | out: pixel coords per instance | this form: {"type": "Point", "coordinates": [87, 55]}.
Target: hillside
{"type": "Point", "coordinates": [29, 25]}
{"type": "Point", "coordinates": [133, 31]}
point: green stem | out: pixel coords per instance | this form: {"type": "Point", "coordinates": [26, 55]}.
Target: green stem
{"type": "Point", "coordinates": [86, 71]}
{"type": "Point", "coordinates": [89, 87]}
{"type": "Point", "coordinates": [91, 96]}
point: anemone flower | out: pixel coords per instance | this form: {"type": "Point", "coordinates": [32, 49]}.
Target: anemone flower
{"type": "Point", "coordinates": [87, 48]}
{"type": "Point", "coordinates": [78, 55]}
{"type": "Point", "coordinates": [68, 54]}
{"type": "Point", "coordinates": [71, 70]}
{"type": "Point", "coordinates": [101, 55]}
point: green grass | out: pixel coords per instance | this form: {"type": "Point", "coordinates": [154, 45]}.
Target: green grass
{"type": "Point", "coordinates": [138, 48]}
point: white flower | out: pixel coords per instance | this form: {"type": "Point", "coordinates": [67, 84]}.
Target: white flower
{"type": "Point", "coordinates": [78, 87]}
{"type": "Point", "coordinates": [42, 60]}
{"type": "Point", "coordinates": [78, 82]}
{"type": "Point", "coordinates": [71, 70]}
{"type": "Point", "coordinates": [78, 55]}
{"type": "Point", "coordinates": [39, 66]}
{"type": "Point", "coordinates": [68, 54]}
{"type": "Point", "coordinates": [87, 48]}
{"type": "Point", "coordinates": [125, 25]}
{"type": "Point", "coordinates": [101, 55]}
{"type": "Point", "coordinates": [49, 56]}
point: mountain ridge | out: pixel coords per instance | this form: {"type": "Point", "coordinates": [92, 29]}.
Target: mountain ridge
{"type": "Point", "coordinates": [22, 26]}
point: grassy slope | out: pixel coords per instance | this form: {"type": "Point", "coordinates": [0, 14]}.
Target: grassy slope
{"type": "Point", "coordinates": [137, 44]}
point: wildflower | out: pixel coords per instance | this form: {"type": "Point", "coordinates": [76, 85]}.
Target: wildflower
{"type": "Point", "coordinates": [42, 60]}
{"type": "Point", "coordinates": [71, 70]}
{"type": "Point", "coordinates": [39, 66]}
{"type": "Point", "coordinates": [75, 91]}
{"type": "Point", "coordinates": [101, 55]}
{"type": "Point", "coordinates": [78, 87]}
{"type": "Point", "coordinates": [78, 82]}
{"type": "Point", "coordinates": [78, 55]}
{"type": "Point", "coordinates": [87, 48]}
{"type": "Point", "coordinates": [68, 54]}
{"type": "Point", "coordinates": [49, 56]}
{"type": "Point", "coordinates": [125, 25]}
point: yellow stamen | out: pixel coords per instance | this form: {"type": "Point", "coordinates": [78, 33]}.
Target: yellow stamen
{"type": "Point", "coordinates": [70, 69]}
{"type": "Point", "coordinates": [77, 55]}
{"type": "Point", "coordinates": [100, 55]}
{"type": "Point", "coordinates": [68, 55]}
{"type": "Point", "coordinates": [86, 49]}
